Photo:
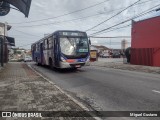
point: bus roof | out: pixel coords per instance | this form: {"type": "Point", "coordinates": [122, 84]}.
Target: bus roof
{"type": "Point", "coordinates": [56, 32]}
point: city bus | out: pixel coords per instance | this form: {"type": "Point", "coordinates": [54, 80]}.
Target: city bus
{"type": "Point", "coordinates": [62, 49]}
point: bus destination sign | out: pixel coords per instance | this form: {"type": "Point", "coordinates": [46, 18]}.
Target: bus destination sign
{"type": "Point", "coordinates": [72, 33]}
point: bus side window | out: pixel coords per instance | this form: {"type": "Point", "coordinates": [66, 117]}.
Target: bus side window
{"type": "Point", "coordinates": [36, 47]}
{"type": "Point", "coordinates": [50, 42]}
{"type": "Point", "coordinates": [43, 44]}
{"type": "Point", "coordinates": [46, 44]}
{"type": "Point", "coordinates": [33, 46]}
{"type": "Point", "coordinates": [53, 39]}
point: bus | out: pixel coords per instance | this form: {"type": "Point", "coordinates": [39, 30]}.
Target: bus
{"type": "Point", "coordinates": [62, 49]}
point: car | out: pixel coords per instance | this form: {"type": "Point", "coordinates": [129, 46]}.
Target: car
{"type": "Point", "coordinates": [101, 55]}
{"type": "Point", "coordinates": [27, 59]}
{"type": "Point", "coordinates": [105, 55]}
{"type": "Point", "coordinates": [116, 55]}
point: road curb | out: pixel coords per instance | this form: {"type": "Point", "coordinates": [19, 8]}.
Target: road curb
{"type": "Point", "coordinates": [69, 96]}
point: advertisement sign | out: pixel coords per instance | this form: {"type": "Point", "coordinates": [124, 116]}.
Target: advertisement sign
{"type": "Point", "coordinates": [93, 54]}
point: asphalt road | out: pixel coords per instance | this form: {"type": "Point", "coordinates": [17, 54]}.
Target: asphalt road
{"type": "Point", "coordinates": [110, 89]}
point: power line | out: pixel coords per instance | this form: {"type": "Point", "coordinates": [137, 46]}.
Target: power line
{"type": "Point", "coordinates": [119, 28]}
{"type": "Point", "coordinates": [22, 36]}
{"type": "Point", "coordinates": [102, 37]}
{"type": "Point", "coordinates": [28, 37]}
{"type": "Point", "coordinates": [38, 25]}
{"type": "Point", "coordinates": [111, 37]}
{"type": "Point", "coordinates": [145, 1]}
{"type": "Point", "coordinates": [113, 43]}
{"type": "Point", "coordinates": [113, 16]}
{"type": "Point", "coordinates": [25, 33]}
{"type": "Point", "coordinates": [25, 45]}
{"type": "Point", "coordinates": [122, 26]}
{"type": "Point", "coordinates": [67, 20]}
{"type": "Point", "coordinates": [65, 13]}
{"type": "Point", "coordinates": [115, 28]}
{"type": "Point", "coordinates": [141, 14]}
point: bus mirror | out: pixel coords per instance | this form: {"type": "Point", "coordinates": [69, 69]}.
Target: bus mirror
{"type": "Point", "coordinates": [89, 41]}
{"type": "Point", "coordinates": [81, 44]}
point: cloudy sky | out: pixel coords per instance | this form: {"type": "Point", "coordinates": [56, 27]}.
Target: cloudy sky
{"type": "Point", "coordinates": [47, 16]}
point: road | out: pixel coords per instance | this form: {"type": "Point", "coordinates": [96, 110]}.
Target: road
{"type": "Point", "coordinates": [110, 89]}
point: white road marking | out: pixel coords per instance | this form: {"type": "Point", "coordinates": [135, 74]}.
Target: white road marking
{"type": "Point", "coordinates": [156, 91]}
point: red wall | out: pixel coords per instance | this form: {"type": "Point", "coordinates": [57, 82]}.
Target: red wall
{"type": "Point", "coordinates": [146, 33]}
{"type": "Point", "coordinates": [156, 57]}
{"type": "Point", "coordinates": [146, 36]}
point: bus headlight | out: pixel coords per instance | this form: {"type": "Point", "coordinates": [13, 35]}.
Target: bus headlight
{"type": "Point", "coordinates": [88, 59]}
{"type": "Point", "coordinates": [62, 59]}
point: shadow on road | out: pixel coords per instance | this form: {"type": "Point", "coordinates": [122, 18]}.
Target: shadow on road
{"type": "Point", "coordinates": [64, 70]}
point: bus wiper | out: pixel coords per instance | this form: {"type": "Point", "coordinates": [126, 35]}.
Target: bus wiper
{"type": "Point", "coordinates": [70, 41]}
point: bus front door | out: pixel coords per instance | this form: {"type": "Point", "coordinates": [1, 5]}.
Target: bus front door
{"type": "Point", "coordinates": [56, 53]}
{"type": "Point", "coordinates": [41, 53]}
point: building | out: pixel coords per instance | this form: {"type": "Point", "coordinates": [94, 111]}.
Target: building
{"type": "Point", "coordinates": [145, 43]}
{"type": "Point", "coordinates": [5, 43]}
{"type": "Point", "coordinates": [101, 48]}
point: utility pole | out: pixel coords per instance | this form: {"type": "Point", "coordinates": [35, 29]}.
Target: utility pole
{"type": "Point", "coordinates": [2, 33]}
{"type": "Point", "coordinates": [1, 50]}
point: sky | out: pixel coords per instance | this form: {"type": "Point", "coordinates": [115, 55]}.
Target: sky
{"type": "Point", "coordinates": [29, 30]}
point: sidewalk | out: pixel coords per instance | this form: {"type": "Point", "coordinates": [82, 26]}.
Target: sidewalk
{"type": "Point", "coordinates": [22, 89]}
{"type": "Point", "coordinates": [122, 66]}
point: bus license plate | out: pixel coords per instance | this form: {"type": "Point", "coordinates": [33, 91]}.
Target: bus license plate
{"type": "Point", "coordinates": [77, 66]}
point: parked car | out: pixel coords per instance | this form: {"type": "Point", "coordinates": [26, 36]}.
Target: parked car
{"type": "Point", "coordinates": [116, 55]}
{"type": "Point", "coordinates": [27, 59]}
{"type": "Point", "coordinates": [105, 55]}
{"type": "Point", "coordinates": [100, 55]}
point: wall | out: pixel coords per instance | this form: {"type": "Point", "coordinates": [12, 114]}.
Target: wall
{"type": "Point", "coordinates": [146, 33]}
{"type": "Point", "coordinates": [146, 36]}
{"type": "Point", "coordinates": [156, 57]}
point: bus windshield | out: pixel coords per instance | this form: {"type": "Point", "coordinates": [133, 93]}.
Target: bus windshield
{"type": "Point", "coordinates": [72, 46]}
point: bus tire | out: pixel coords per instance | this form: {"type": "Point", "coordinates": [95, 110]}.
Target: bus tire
{"type": "Point", "coordinates": [74, 69]}
{"type": "Point", "coordinates": [37, 61]}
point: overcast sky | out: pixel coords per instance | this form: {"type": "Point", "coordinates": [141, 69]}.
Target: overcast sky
{"type": "Point", "coordinates": [26, 33]}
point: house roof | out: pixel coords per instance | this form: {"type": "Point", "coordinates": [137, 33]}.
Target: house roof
{"type": "Point", "coordinates": [101, 47]}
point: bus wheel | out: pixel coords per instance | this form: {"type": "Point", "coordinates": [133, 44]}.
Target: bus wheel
{"type": "Point", "coordinates": [74, 68]}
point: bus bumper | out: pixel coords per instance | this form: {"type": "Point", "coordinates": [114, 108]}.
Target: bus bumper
{"type": "Point", "coordinates": [64, 65]}
{"type": "Point", "coordinates": [73, 65]}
